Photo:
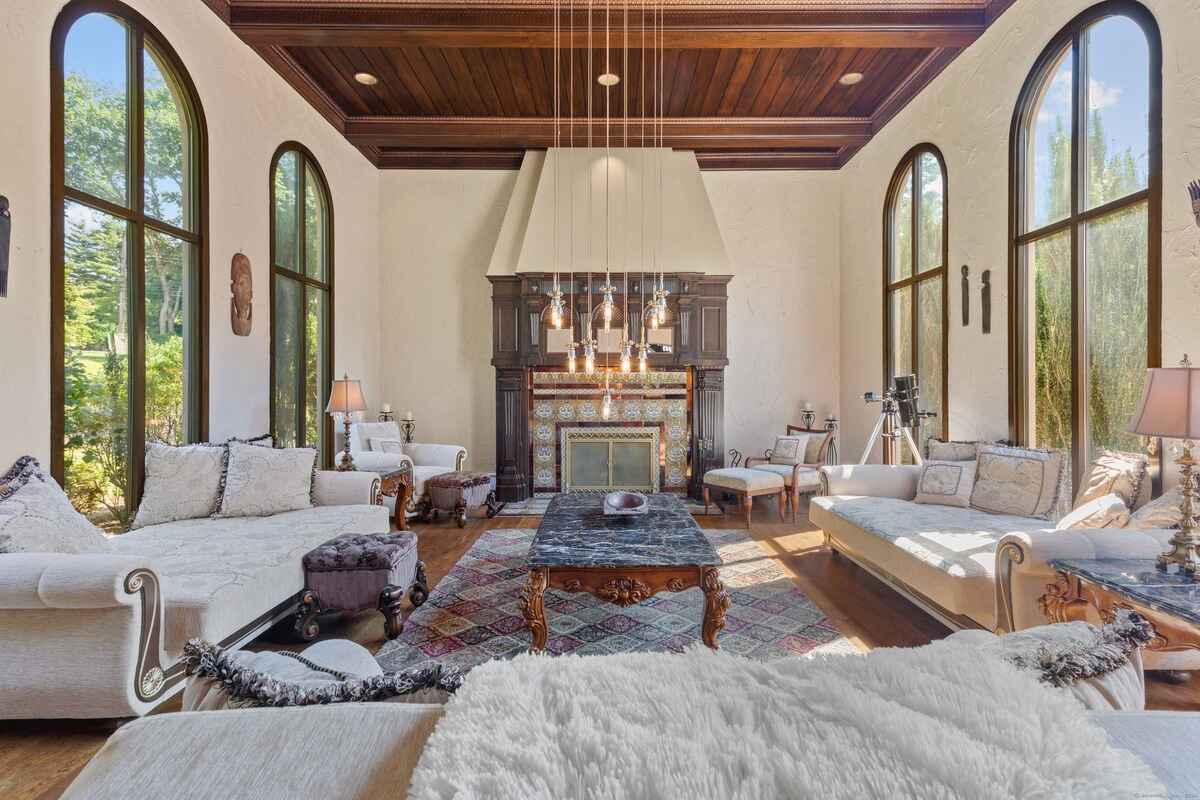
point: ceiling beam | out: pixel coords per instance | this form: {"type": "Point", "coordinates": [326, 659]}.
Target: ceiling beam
{"type": "Point", "coordinates": [690, 133]}
{"type": "Point", "coordinates": [299, 24]}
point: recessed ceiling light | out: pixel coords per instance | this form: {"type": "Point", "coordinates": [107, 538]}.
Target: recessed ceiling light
{"type": "Point", "coordinates": [850, 78]}
{"type": "Point", "coordinates": [366, 78]}
{"type": "Point", "coordinates": [608, 79]}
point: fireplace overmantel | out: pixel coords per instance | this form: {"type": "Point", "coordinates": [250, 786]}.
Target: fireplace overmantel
{"type": "Point", "coordinates": [695, 340]}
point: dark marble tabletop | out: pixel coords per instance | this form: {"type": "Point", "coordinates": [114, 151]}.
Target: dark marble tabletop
{"type": "Point", "coordinates": [1138, 579]}
{"type": "Point", "coordinates": [576, 533]}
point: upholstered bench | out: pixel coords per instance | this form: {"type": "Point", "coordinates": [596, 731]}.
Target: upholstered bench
{"type": "Point", "coordinates": [460, 492]}
{"type": "Point", "coordinates": [352, 573]}
{"type": "Point", "coordinates": [745, 484]}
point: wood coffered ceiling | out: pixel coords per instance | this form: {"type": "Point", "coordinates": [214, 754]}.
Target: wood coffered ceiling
{"type": "Point", "coordinates": [468, 83]}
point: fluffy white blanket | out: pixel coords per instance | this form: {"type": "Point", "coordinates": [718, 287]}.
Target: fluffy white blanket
{"type": "Point", "coordinates": [933, 722]}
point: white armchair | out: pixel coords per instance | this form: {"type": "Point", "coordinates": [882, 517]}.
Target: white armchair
{"type": "Point", "coordinates": [379, 447]}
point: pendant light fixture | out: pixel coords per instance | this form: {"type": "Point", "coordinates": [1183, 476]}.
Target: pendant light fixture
{"type": "Point", "coordinates": [642, 346]}
{"type": "Point", "coordinates": [556, 306]}
{"type": "Point", "coordinates": [572, 345]}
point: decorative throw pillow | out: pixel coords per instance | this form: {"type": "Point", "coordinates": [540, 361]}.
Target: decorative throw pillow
{"type": "Point", "coordinates": [1019, 481]}
{"type": "Point", "coordinates": [1113, 473]}
{"type": "Point", "coordinates": [946, 483]}
{"type": "Point", "coordinates": [260, 481]}
{"type": "Point", "coordinates": [386, 445]}
{"type": "Point", "coordinates": [789, 449]}
{"type": "Point", "coordinates": [1163, 513]}
{"type": "Point", "coordinates": [812, 450]}
{"type": "Point", "coordinates": [265, 440]}
{"type": "Point", "coordinates": [37, 517]}
{"type": "Point", "coordinates": [18, 475]}
{"type": "Point", "coordinates": [181, 483]}
{"type": "Point", "coordinates": [952, 451]}
{"type": "Point", "coordinates": [1109, 511]}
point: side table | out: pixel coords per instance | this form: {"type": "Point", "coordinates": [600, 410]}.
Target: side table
{"type": "Point", "coordinates": [1090, 588]}
{"type": "Point", "coordinates": [398, 483]}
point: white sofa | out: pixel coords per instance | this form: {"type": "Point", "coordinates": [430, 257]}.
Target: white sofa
{"type": "Point", "coordinates": [100, 635]}
{"type": "Point", "coordinates": [967, 568]}
{"type": "Point", "coordinates": [427, 460]}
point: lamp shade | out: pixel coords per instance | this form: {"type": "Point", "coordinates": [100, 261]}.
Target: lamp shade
{"type": "Point", "coordinates": [346, 397]}
{"type": "Point", "coordinates": [1170, 405]}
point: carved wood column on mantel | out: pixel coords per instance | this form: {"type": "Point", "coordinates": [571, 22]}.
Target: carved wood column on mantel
{"type": "Point", "coordinates": [513, 481]}
{"type": "Point", "coordinates": [708, 426]}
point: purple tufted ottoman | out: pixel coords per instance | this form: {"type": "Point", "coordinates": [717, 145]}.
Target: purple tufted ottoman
{"type": "Point", "coordinates": [352, 573]}
{"type": "Point", "coordinates": [460, 492]}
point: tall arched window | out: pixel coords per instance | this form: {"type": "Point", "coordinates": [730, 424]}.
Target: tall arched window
{"type": "Point", "coordinates": [1086, 227]}
{"type": "Point", "coordinates": [914, 283]}
{"type": "Point", "coordinates": [128, 254]}
{"type": "Point", "coordinates": [301, 300]}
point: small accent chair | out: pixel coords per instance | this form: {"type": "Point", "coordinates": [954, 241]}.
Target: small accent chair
{"type": "Point", "coordinates": [797, 457]}
{"type": "Point", "coordinates": [379, 447]}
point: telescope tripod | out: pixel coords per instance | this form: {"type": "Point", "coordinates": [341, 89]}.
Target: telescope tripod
{"type": "Point", "coordinates": [891, 414]}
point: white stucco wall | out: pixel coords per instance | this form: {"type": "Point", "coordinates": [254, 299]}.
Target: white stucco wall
{"type": "Point", "coordinates": [438, 231]}
{"type": "Point", "coordinates": [967, 112]}
{"type": "Point", "coordinates": [250, 110]}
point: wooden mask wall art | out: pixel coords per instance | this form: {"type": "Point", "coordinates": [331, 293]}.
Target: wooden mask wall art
{"type": "Point", "coordinates": [966, 296]}
{"type": "Point", "coordinates": [5, 238]}
{"type": "Point", "coordinates": [241, 304]}
{"type": "Point", "coordinates": [986, 294]}
{"type": "Point", "coordinates": [1194, 193]}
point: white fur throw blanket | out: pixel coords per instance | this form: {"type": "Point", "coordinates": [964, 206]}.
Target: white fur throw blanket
{"type": "Point", "coordinates": [940, 721]}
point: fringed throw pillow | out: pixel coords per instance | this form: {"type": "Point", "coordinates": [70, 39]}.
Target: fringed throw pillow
{"type": "Point", "coordinates": [1109, 511]}
{"type": "Point", "coordinates": [181, 483]}
{"type": "Point", "coordinates": [946, 483]}
{"type": "Point", "coordinates": [1019, 481]}
{"type": "Point", "coordinates": [36, 516]}
{"type": "Point", "coordinates": [260, 481]}
{"type": "Point", "coordinates": [1113, 473]}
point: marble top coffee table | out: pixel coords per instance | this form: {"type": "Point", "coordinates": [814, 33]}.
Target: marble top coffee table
{"type": "Point", "coordinates": [1090, 588]}
{"type": "Point", "coordinates": [622, 560]}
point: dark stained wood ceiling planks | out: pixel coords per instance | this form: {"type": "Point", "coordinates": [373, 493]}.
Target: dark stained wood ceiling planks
{"type": "Point", "coordinates": [471, 85]}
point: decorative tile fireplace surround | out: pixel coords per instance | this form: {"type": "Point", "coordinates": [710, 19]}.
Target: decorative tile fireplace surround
{"type": "Point", "coordinates": [681, 397]}
{"type": "Point", "coordinates": [656, 401]}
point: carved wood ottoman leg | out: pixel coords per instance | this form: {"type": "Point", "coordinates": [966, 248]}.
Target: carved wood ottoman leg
{"type": "Point", "coordinates": [706, 501]}
{"type": "Point", "coordinates": [716, 603]}
{"type": "Point", "coordinates": [532, 608]}
{"type": "Point", "coordinates": [307, 627]}
{"type": "Point", "coordinates": [390, 601]}
{"type": "Point", "coordinates": [748, 504]}
{"type": "Point", "coordinates": [460, 514]}
{"type": "Point", "coordinates": [419, 592]}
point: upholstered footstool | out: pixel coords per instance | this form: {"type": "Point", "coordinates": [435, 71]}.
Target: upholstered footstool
{"type": "Point", "coordinates": [353, 573]}
{"type": "Point", "coordinates": [745, 484]}
{"type": "Point", "coordinates": [460, 492]}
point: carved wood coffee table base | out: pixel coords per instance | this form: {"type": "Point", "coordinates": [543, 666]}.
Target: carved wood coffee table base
{"type": "Point", "coordinates": [624, 586]}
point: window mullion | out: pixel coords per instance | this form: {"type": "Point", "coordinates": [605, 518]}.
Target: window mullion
{"type": "Point", "coordinates": [1079, 339]}
{"type": "Point", "coordinates": [302, 315]}
{"type": "Point", "coordinates": [136, 281]}
{"type": "Point", "coordinates": [915, 242]}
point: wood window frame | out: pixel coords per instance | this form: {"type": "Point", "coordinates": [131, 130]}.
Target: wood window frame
{"type": "Point", "coordinates": [141, 32]}
{"type": "Point", "coordinates": [911, 160]}
{"type": "Point", "coordinates": [1069, 40]}
{"type": "Point", "coordinates": [305, 161]}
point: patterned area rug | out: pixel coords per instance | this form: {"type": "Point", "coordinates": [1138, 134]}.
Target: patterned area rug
{"type": "Point", "coordinates": [474, 613]}
{"type": "Point", "coordinates": [536, 506]}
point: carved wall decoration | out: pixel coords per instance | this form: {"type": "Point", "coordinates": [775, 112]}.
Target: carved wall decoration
{"type": "Point", "coordinates": [966, 295]}
{"type": "Point", "coordinates": [986, 293]}
{"type": "Point", "coordinates": [241, 303]}
{"type": "Point", "coordinates": [5, 238]}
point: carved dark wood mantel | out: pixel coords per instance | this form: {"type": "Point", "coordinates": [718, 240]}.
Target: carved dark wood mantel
{"type": "Point", "coordinates": [698, 306]}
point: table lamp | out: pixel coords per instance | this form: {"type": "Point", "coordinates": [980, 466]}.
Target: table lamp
{"type": "Point", "coordinates": [345, 398]}
{"type": "Point", "coordinates": [1170, 408]}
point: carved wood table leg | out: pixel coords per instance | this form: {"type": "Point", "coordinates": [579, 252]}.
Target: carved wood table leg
{"type": "Point", "coordinates": [716, 603]}
{"type": "Point", "coordinates": [533, 609]}
{"type": "Point", "coordinates": [306, 626]}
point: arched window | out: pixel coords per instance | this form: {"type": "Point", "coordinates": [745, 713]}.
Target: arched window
{"type": "Point", "coordinates": [1086, 228]}
{"type": "Point", "coordinates": [301, 301]}
{"type": "Point", "coordinates": [128, 254]}
{"type": "Point", "coordinates": [914, 283]}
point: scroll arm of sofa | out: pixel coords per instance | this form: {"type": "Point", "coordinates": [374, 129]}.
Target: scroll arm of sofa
{"type": "Point", "coordinates": [72, 581]}
{"type": "Point", "coordinates": [1023, 568]}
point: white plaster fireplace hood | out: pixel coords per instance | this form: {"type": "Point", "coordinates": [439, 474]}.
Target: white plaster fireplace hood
{"type": "Point", "coordinates": [690, 240]}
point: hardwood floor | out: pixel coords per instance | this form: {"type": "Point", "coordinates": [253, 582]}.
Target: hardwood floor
{"type": "Point", "coordinates": [39, 759]}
